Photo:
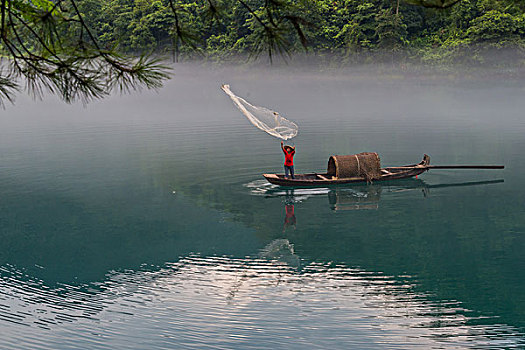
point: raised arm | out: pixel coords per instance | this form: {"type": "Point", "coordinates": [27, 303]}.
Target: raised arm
{"type": "Point", "coordinates": [282, 147]}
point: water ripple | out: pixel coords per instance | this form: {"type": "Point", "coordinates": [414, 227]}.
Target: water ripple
{"type": "Point", "coordinates": [220, 302]}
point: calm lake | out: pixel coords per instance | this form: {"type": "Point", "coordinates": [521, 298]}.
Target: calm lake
{"type": "Point", "coordinates": [142, 221]}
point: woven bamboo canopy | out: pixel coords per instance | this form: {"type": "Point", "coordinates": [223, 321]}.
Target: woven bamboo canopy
{"type": "Point", "coordinates": [366, 165]}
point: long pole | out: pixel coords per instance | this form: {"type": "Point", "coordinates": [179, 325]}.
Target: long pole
{"type": "Point", "coordinates": [448, 167]}
{"type": "Point", "coordinates": [465, 166]}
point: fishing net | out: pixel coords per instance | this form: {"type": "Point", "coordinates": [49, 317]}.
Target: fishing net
{"type": "Point", "coordinates": [264, 118]}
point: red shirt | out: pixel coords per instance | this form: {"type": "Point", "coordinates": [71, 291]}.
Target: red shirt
{"type": "Point", "coordinates": [288, 157]}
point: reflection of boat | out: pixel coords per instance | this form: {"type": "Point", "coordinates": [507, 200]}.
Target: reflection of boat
{"type": "Point", "coordinates": [367, 197]}
{"type": "Point", "coordinates": [362, 196]}
{"type": "Point", "coordinates": [350, 199]}
{"type": "Point", "coordinates": [358, 168]}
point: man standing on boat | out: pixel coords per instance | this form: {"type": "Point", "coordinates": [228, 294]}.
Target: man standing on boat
{"type": "Point", "coordinates": [289, 152]}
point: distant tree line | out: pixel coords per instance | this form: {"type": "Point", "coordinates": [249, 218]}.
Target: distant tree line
{"type": "Point", "coordinates": [86, 49]}
{"type": "Point", "coordinates": [427, 30]}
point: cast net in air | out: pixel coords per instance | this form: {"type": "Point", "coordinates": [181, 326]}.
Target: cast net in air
{"type": "Point", "coordinates": [264, 118]}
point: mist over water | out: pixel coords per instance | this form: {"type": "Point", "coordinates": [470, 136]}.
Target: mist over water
{"type": "Point", "coordinates": [142, 221]}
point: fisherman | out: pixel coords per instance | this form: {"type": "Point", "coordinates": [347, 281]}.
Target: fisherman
{"type": "Point", "coordinates": [289, 152]}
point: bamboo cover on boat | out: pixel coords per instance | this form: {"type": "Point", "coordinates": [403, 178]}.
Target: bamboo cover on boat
{"type": "Point", "coordinates": [364, 164]}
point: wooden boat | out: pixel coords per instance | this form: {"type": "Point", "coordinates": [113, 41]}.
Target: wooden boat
{"type": "Point", "coordinates": [333, 177]}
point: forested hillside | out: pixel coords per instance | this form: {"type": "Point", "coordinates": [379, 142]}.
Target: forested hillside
{"type": "Point", "coordinates": [359, 30]}
{"type": "Point", "coordinates": [83, 50]}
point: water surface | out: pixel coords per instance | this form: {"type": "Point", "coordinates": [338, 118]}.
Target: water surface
{"type": "Point", "coordinates": [142, 221]}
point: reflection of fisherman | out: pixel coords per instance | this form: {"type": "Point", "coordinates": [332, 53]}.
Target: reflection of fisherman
{"type": "Point", "coordinates": [289, 219]}
{"type": "Point", "coordinates": [289, 152]}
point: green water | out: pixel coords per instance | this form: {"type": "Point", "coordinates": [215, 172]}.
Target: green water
{"type": "Point", "coordinates": [142, 221]}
